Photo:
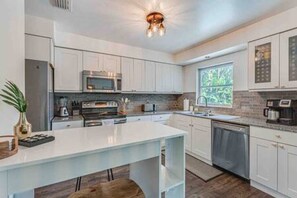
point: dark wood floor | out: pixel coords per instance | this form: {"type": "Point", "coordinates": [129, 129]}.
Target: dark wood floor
{"type": "Point", "coordinates": [223, 186]}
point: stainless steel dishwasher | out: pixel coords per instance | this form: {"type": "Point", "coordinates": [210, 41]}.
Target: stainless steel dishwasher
{"type": "Point", "coordinates": [230, 147]}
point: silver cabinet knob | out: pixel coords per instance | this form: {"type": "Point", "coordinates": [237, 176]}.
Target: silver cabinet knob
{"type": "Point", "coordinates": [281, 146]}
{"type": "Point", "coordinates": [278, 136]}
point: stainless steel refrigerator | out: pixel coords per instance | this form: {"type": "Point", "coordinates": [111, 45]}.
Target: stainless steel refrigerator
{"type": "Point", "coordinates": [39, 92]}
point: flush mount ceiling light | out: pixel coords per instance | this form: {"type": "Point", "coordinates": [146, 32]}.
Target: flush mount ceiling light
{"type": "Point", "coordinates": [155, 20]}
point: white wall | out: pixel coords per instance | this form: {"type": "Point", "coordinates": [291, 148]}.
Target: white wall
{"type": "Point", "coordinates": [70, 40]}
{"type": "Point", "coordinates": [275, 24]}
{"type": "Point", "coordinates": [11, 56]}
{"type": "Point", "coordinates": [39, 26]}
{"type": "Point", "coordinates": [240, 74]}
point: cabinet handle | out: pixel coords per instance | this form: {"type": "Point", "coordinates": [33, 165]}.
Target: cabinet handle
{"type": "Point", "coordinates": [283, 86]}
{"type": "Point", "coordinates": [281, 146]}
{"type": "Point", "coordinates": [68, 125]}
{"type": "Point", "coordinates": [278, 136]}
{"type": "Point", "coordinates": [274, 144]}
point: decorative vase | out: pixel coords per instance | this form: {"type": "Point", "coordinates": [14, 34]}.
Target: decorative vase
{"type": "Point", "coordinates": [23, 128]}
{"type": "Point", "coordinates": [123, 109]}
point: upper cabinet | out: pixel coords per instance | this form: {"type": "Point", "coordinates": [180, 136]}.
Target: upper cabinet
{"type": "Point", "coordinates": [111, 63]}
{"type": "Point", "coordinates": [273, 62]}
{"type": "Point", "coordinates": [133, 75]}
{"type": "Point", "coordinates": [169, 78]}
{"type": "Point", "coordinates": [150, 76]}
{"type": "Point", "coordinates": [264, 63]}
{"type": "Point", "coordinates": [39, 48]}
{"type": "Point", "coordinates": [101, 62]}
{"type": "Point", "coordinates": [92, 61]}
{"type": "Point", "coordinates": [288, 59]}
{"type": "Point", "coordinates": [68, 68]}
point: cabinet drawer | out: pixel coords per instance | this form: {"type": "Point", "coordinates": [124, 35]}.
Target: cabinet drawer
{"type": "Point", "coordinates": [202, 122]}
{"type": "Point", "coordinates": [274, 135]}
{"type": "Point", "coordinates": [67, 125]}
{"type": "Point", "coordinates": [162, 117]}
{"type": "Point", "coordinates": [139, 118]}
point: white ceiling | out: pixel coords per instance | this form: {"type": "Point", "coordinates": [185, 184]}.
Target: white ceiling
{"type": "Point", "coordinates": [188, 22]}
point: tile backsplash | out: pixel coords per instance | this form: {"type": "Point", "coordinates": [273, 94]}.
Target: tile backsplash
{"type": "Point", "coordinates": [247, 104]}
{"type": "Point", "coordinates": [163, 101]}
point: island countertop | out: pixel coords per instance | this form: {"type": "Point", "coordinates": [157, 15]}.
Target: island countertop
{"type": "Point", "coordinates": [78, 141]}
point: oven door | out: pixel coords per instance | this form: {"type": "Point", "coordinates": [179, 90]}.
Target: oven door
{"type": "Point", "coordinates": [99, 84]}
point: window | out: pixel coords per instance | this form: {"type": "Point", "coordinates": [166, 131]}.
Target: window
{"type": "Point", "coordinates": [216, 84]}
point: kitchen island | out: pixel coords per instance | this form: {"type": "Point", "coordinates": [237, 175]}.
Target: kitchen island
{"type": "Point", "coordinates": [82, 151]}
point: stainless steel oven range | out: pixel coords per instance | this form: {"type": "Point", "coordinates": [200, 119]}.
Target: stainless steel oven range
{"type": "Point", "coordinates": [95, 112]}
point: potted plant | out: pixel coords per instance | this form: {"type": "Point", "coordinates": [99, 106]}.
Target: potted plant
{"type": "Point", "coordinates": [13, 96]}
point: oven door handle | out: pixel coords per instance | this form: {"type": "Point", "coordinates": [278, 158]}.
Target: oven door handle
{"type": "Point", "coordinates": [93, 124]}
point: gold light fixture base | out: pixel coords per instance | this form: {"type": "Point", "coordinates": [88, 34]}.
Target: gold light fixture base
{"type": "Point", "coordinates": [155, 17]}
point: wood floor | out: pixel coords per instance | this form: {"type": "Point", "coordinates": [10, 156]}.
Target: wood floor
{"type": "Point", "coordinates": [223, 186]}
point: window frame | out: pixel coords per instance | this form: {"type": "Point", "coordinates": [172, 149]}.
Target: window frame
{"type": "Point", "coordinates": [198, 103]}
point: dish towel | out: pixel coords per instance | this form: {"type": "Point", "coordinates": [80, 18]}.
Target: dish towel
{"type": "Point", "coordinates": [108, 122]}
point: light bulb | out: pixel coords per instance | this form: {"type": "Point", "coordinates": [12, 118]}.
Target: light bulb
{"type": "Point", "coordinates": [149, 32]}
{"type": "Point", "coordinates": [155, 27]}
{"type": "Point", "coordinates": [161, 30]}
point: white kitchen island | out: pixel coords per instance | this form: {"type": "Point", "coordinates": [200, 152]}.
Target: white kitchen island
{"type": "Point", "coordinates": [82, 151]}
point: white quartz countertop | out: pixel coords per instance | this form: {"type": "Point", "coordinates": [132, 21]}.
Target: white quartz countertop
{"type": "Point", "coordinates": [78, 141]}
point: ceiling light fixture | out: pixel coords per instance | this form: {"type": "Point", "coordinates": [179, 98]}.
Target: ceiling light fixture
{"type": "Point", "coordinates": [155, 20]}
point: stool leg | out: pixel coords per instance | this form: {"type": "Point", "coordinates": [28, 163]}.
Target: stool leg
{"type": "Point", "coordinates": [78, 182]}
{"type": "Point", "coordinates": [111, 173]}
{"type": "Point", "coordinates": [108, 175]}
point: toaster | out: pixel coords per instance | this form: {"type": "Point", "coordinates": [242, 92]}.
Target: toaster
{"type": "Point", "coordinates": [149, 107]}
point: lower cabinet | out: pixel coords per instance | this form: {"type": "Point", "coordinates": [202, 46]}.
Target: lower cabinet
{"type": "Point", "coordinates": [273, 163]}
{"type": "Point", "coordinates": [287, 170]}
{"type": "Point", "coordinates": [198, 139]}
{"type": "Point", "coordinates": [263, 162]}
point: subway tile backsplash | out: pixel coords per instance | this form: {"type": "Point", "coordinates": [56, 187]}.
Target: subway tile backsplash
{"type": "Point", "coordinates": [247, 104]}
{"type": "Point", "coordinates": [163, 101]}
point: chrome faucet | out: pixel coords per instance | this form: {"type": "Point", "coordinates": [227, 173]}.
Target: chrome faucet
{"type": "Point", "coordinates": [204, 99]}
{"type": "Point", "coordinates": [208, 112]}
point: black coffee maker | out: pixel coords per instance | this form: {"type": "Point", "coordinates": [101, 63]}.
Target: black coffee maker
{"type": "Point", "coordinates": [287, 111]}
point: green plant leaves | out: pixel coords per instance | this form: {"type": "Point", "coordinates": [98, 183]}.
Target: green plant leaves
{"type": "Point", "coordinates": [13, 96]}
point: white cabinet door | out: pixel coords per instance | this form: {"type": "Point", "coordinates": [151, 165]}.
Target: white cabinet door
{"type": "Point", "coordinates": [150, 76]}
{"type": "Point", "coordinates": [38, 48]}
{"type": "Point", "coordinates": [164, 80]}
{"type": "Point", "coordinates": [263, 162]}
{"type": "Point", "coordinates": [288, 59]}
{"type": "Point", "coordinates": [68, 68]}
{"type": "Point", "coordinates": [127, 74]}
{"type": "Point", "coordinates": [177, 75]}
{"type": "Point", "coordinates": [287, 170]}
{"type": "Point", "coordinates": [138, 75]}
{"type": "Point", "coordinates": [264, 63]}
{"type": "Point", "coordinates": [201, 141]}
{"type": "Point", "coordinates": [184, 123]}
{"type": "Point", "coordinates": [92, 61]}
{"type": "Point", "coordinates": [112, 63]}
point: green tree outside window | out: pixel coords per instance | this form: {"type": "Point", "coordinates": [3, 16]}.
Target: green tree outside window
{"type": "Point", "coordinates": [216, 84]}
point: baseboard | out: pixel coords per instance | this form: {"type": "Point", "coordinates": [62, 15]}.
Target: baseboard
{"type": "Point", "coordinates": [267, 190]}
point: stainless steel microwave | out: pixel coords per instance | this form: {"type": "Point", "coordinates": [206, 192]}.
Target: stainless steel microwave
{"type": "Point", "coordinates": [101, 82]}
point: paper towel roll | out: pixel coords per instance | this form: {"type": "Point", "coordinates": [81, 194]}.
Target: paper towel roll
{"type": "Point", "coordinates": [186, 104]}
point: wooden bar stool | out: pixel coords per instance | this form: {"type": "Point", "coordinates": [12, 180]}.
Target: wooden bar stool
{"type": "Point", "coordinates": [119, 188]}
